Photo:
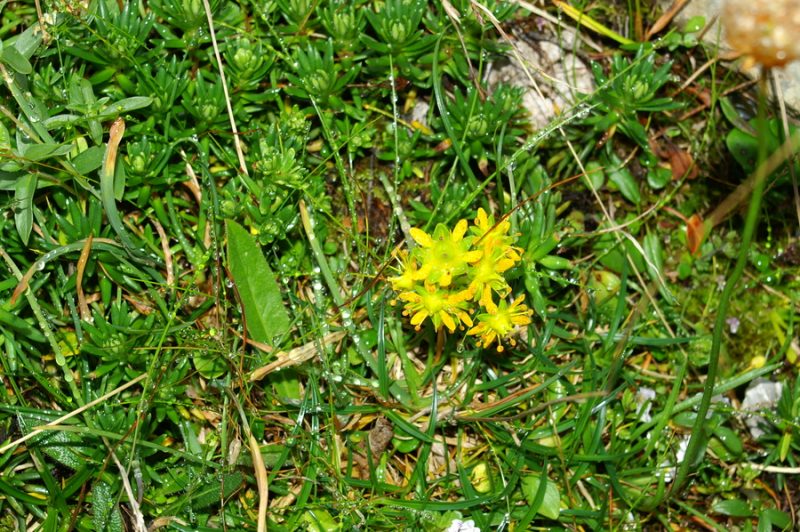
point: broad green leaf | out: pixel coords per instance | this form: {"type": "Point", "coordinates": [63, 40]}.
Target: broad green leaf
{"type": "Point", "coordinates": [603, 284]}
{"type": "Point", "coordinates": [730, 112]}
{"type": "Point", "coordinates": [319, 520]}
{"type": "Point", "coordinates": [58, 121]}
{"type": "Point", "coordinates": [28, 41]}
{"type": "Point", "coordinates": [771, 517]}
{"type": "Point", "coordinates": [730, 440]}
{"type": "Point", "coordinates": [209, 364]}
{"type": "Point", "coordinates": [732, 507]}
{"type": "Point", "coordinates": [89, 160]}
{"type": "Point", "coordinates": [550, 506]}
{"type": "Point", "coordinates": [743, 147]}
{"type": "Point", "coordinates": [744, 144]}
{"type": "Point", "coordinates": [190, 439]}
{"type": "Point", "coordinates": [694, 24]}
{"type": "Point", "coordinates": [784, 445]}
{"type": "Point", "coordinates": [255, 283]}
{"type": "Point", "coordinates": [287, 384]}
{"type": "Point", "coordinates": [125, 106]}
{"type": "Point", "coordinates": [615, 256]}
{"type": "Point", "coordinates": [16, 60]}
{"type": "Point", "coordinates": [626, 184]}
{"type": "Point", "coordinates": [659, 177]}
{"type": "Point", "coordinates": [554, 262]}
{"type": "Point", "coordinates": [23, 205]}
{"type": "Point", "coordinates": [38, 152]}
{"type": "Point", "coordinates": [596, 174]}
{"type": "Point", "coordinates": [635, 130]}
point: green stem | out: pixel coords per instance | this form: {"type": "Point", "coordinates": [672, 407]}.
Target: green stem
{"type": "Point", "coordinates": [698, 438]}
{"type": "Point", "coordinates": [333, 286]}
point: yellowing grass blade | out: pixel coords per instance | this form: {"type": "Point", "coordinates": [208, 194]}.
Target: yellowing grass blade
{"type": "Point", "coordinates": [591, 23]}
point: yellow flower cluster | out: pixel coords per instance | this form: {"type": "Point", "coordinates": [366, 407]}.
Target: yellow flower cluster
{"type": "Point", "coordinates": [453, 278]}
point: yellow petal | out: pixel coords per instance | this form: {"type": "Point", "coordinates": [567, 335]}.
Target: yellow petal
{"type": "Point", "coordinates": [478, 329]}
{"type": "Point", "coordinates": [422, 238]}
{"type": "Point", "coordinates": [473, 256]}
{"type": "Point", "coordinates": [521, 320]}
{"type": "Point", "coordinates": [486, 301]}
{"type": "Point", "coordinates": [463, 316]}
{"type": "Point", "coordinates": [459, 230]}
{"type": "Point", "coordinates": [422, 273]}
{"type": "Point", "coordinates": [464, 295]}
{"type": "Point", "coordinates": [402, 282]}
{"type": "Point", "coordinates": [488, 338]}
{"type": "Point", "coordinates": [448, 321]}
{"type": "Point", "coordinates": [503, 265]}
{"type": "Point", "coordinates": [409, 296]}
{"type": "Point", "coordinates": [419, 317]}
{"type": "Point", "coordinates": [481, 220]}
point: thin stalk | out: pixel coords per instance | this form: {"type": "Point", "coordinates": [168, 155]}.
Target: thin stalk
{"type": "Point", "coordinates": [699, 437]}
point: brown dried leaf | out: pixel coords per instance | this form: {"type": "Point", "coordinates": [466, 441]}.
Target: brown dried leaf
{"type": "Point", "coordinates": [695, 233]}
{"type": "Point", "coordinates": [681, 163]}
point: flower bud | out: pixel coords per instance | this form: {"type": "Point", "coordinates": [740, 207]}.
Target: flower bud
{"type": "Point", "coordinates": [765, 32]}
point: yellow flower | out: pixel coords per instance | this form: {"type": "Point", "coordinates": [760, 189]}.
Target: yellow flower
{"type": "Point", "coordinates": [441, 306]}
{"type": "Point", "coordinates": [488, 235]}
{"type": "Point", "coordinates": [498, 256]}
{"type": "Point", "coordinates": [495, 240]}
{"type": "Point", "coordinates": [500, 321]}
{"type": "Point", "coordinates": [408, 269]}
{"type": "Point", "coordinates": [444, 255]}
{"type": "Point", "coordinates": [451, 276]}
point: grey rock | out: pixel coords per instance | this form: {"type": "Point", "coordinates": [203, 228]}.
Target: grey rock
{"type": "Point", "coordinates": [551, 73]}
